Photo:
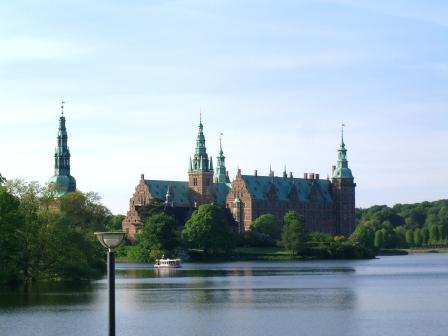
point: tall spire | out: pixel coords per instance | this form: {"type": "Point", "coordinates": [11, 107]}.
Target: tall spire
{"type": "Point", "coordinates": [200, 159]}
{"type": "Point", "coordinates": [342, 170]}
{"type": "Point", "coordinates": [220, 174]}
{"type": "Point", "coordinates": [64, 181]}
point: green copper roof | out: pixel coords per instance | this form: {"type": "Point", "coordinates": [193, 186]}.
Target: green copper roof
{"type": "Point", "coordinates": [63, 183]}
{"type": "Point", "coordinates": [260, 186]}
{"type": "Point", "coordinates": [342, 171]}
{"type": "Point", "coordinates": [179, 191]}
{"type": "Point", "coordinates": [220, 174]}
{"type": "Point", "coordinates": [221, 191]}
{"type": "Point", "coordinates": [200, 160]}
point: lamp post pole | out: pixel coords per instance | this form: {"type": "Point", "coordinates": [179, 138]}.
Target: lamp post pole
{"type": "Point", "coordinates": [111, 276]}
{"type": "Point", "coordinates": [111, 240]}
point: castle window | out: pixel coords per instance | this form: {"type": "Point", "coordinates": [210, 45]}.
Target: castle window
{"type": "Point", "coordinates": [207, 181]}
{"type": "Point", "coordinates": [195, 181]}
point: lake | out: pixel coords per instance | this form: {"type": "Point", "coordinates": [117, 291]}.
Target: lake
{"type": "Point", "coordinates": [393, 295]}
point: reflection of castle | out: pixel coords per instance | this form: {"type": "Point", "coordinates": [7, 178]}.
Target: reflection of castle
{"type": "Point", "coordinates": [327, 205]}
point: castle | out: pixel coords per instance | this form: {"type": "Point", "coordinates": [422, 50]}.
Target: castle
{"type": "Point", "coordinates": [327, 205]}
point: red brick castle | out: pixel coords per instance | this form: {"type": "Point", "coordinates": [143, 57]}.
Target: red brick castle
{"type": "Point", "coordinates": [327, 205]}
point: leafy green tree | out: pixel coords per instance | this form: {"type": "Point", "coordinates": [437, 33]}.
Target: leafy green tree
{"type": "Point", "coordinates": [425, 236]}
{"type": "Point", "coordinates": [2, 179]}
{"type": "Point", "coordinates": [208, 229]}
{"type": "Point", "coordinates": [417, 237]}
{"type": "Point", "coordinates": [379, 239]}
{"type": "Point", "coordinates": [410, 237]}
{"type": "Point", "coordinates": [442, 232]}
{"type": "Point", "coordinates": [433, 234]}
{"type": "Point", "coordinates": [114, 223]}
{"type": "Point", "coordinates": [364, 236]}
{"type": "Point", "coordinates": [10, 245]}
{"type": "Point", "coordinates": [55, 238]}
{"type": "Point", "coordinates": [294, 235]}
{"type": "Point", "coordinates": [160, 236]}
{"type": "Point", "coordinates": [267, 224]}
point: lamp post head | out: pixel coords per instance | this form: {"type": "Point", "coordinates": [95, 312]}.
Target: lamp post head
{"type": "Point", "coordinates": [110, 240]}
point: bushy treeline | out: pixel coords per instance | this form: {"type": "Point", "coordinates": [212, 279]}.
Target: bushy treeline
{"type": "Point", "coordinates": [208, 231]}
{"type": "Point", "coordinates": [47, 238]}
{"type": "Point", "coordinates": [404, 225]}
{"type": "Point", "coordinates": [211, 232]}
{"type": "Point", "coordinates": [290, 233]}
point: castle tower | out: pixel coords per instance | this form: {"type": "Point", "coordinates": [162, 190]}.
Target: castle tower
{"type": "Point", "coordinates": [63, 181]}
{"type": "Point", "coordinates": [343, 189]}
{"type": "Point", "coordinates": [220, 174]}
{"type": "Point", "coordinates": [200, 173]}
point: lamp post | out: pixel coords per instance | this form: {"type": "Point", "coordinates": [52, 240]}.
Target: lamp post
{"type": "Point", "coordinates": [111, 240]}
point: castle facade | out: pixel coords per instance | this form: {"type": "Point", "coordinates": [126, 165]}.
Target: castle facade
{"type": "Point", "coordinates": [328, 206]}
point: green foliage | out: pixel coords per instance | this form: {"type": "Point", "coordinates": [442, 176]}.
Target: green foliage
{"type": "Point", "coordinates": [48, 238]}
{"type": "Point", "coordinates": [11, 222]}
{"type": "Point", "coordinates": [154, 206]}
{"type": "Point", "coordinates": [417, 237]}
{"type": "Point", "coordinates": [160, 236]}
{"type": "Point", "coordinates": [208, 229]}
{"type": "Point", "coordinates": [364, 236]}
{"type": "Point", "coordinates": [425, 236]}
{"type": "Point", "coordinates": [267, 225]}
{"type": "Point", "coordinates": [114, 223]}
{"type": "Point", "coordinates": [410, 237]}
{"type": "Point", "coordinates": [2, 180]}
{"type": "Point", "coordinates": [379, 239]}
{"type": "Point", "coordinates": [294, 235]}
{"type": "Point", "coordinates": [433, 234]}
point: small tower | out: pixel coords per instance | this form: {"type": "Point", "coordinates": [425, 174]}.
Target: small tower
{"type": "Point", "coordinates": [63, 181]}
{"type": "Point", "coordinates": [169, 202]}
{"type": "Point", "coordinates": [200, 174]}
{"type": "Point", "coordinates": [343, 189]}
{"type": "Point", "coordinates": [220, 174]}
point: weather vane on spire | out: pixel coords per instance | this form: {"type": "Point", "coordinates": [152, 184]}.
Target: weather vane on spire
{"type": "Point", "coordinates": [62, 107]}
{"type": "Point", "coordinates": [342, 132]}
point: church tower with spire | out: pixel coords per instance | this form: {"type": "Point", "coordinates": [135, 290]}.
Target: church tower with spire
{"type": "Point", "coordinates": [200, 172]}
{"type": "Point", "coordinates": [63, 181]}
{"type": "Point", "coordinates": [343, 190]}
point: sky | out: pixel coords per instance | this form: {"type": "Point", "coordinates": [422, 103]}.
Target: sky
{"type": "Point", "coordinates": [277, 78]}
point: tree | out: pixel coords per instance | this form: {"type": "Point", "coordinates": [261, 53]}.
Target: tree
{"type": "Point", "coordinates": [417, 237]}
{"type": "Point", "coordinates": [433, 234]}
{"type": "Point", "coordinates": [364, 236]}
{"type": "Point", "coordinates": [160, 236]}
{"type": "Point", "coordinates": [2, 179]}
{"type": "Point", "coordinates": [379, 239]}
{"type": "Point", "coordinates": [294, 235]}
{"type": "Point", "coordinates": [425, 236]}
{"type": "Point", "coordinates": [10, 244]}
{"type": "Point", "coordinates": [410, 237]}
{"type": "Point", "coordinates": [55, 236]}
{"type": "Point", "coordinates": [208, 229]}
{"type": "Point", "coordinates": [267, 224]}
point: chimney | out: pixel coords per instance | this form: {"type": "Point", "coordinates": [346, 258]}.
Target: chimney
{"type": "Point", "coordinates": [333, 169]}
{"type": "Point", "coordinates": [238, 172]}
{"type": "Point", "coordinates": [305, 176]}
{"type": "Point", "coordinates": [290, 175]}
{"type": "Point", "coordinates": [255, 173]}
{"type": "Point", "coordinates": [317, 176]}
{"type": "Point", "coordinates": [311, 175]}
{"type": "Point", "coordinates": [142, 176]}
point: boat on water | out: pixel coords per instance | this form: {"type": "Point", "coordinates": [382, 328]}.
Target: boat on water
{"type": "Point", "coordinates": [167, 263]}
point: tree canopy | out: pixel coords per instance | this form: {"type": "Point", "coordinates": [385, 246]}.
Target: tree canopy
{"type": "Point", "coordinates": [209, 229]}
{"type": "Point", "coordinates": [294, 235]}
{"type": "Point", "coordinates": [267, 224]}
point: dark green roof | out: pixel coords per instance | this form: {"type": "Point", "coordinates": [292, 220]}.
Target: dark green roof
{"type": "Point", "coordinates": [179, 190]}
{"type": "Point", "coordinates": [221, 191]}
{"type": "Point", "coordinates": [64, 184]}
{"type": "Point", "coordinates": [259, 187]}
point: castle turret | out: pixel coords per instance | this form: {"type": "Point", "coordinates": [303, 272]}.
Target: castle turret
{"type": "Point", "coordinates": [343, 190]}
{"type": "Point", "coordinates": [200, 174]}
{"type": "Point", "coordinates": [220, 174]}
{"type": "Point", "coordinates": [63, 181]}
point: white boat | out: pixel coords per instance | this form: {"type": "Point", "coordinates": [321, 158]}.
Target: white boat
{"type": "Point", "coordinates": [167, 263]}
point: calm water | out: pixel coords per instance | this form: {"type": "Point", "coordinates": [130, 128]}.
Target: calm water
{"type": "Point", "coordinates": [399, 295]}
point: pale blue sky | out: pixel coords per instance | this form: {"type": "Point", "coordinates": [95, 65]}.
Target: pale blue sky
{"type": "Point", "coordinates": [276, 77]}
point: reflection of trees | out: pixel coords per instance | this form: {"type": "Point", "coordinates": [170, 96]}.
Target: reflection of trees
{"type": "Point", "coordinates": [48, 294]}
